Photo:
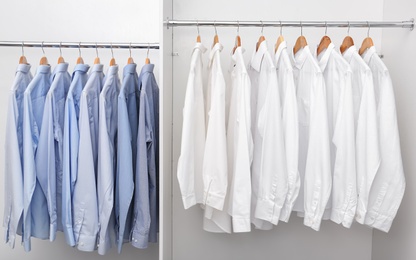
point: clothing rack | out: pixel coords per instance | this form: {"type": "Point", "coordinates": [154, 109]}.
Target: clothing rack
{"type": "Point", "coordinates": [409, 24]}
{"type": "Point", "coordinates": [105, 45]}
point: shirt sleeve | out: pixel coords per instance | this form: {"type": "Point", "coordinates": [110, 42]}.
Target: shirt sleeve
{"type": "Point", "coordinates": [141, 221]}
{"type": "Point", "coordinates": [344, 195]}
{"type": "Point", "coordinates": [367, 146]}
{"type": "Point", "coordinates": [70, 167]}
{"type": "Point", "coordinates": [45, 163]}
{"type": "Point", "coordinates": [291, 140]}
{"type": "Point", "coordinates": [389, 185]}
{"type": "Point", "coordinates": [240, 190]}
{"type": "Point", "coordinates": [273, 177]}
{"type": "Point", "coordinates": [215, 176]}
{"type": "Point", "coordinates": [13, 176]}
{"type": "Point", "coordinates": [317, 183]}
{"type": "Point", "coordinates": [85, 191]}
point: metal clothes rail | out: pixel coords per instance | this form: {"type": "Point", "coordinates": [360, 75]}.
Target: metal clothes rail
{"type": "Point", "coordinates": [106, 45]}
{"type": "Point", "coordinates": [409, 24]}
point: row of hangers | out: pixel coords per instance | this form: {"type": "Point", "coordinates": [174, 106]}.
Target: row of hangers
{"type": "Point", "coordinates": [44, 60]}
{"type": "Point", "coordinates": [301, 41]}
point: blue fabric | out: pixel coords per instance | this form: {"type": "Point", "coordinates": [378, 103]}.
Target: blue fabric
{"type": "Point", "coordinates": [70, 147]}
{"type": "Point", "coordinates": [128, 102]}
{"type": "Point", "coordinates": [145, 222]}
{"type": "Point", "coordinates": [85, 205]}
{"type": "Point", "coordinates": [49, 154]}
{"type": "Point", "coordinates": [13, 170]}
{"type": "Point", "coordinates": [107, 158]}
{"type": "Point", "coordinates": [35, 212]}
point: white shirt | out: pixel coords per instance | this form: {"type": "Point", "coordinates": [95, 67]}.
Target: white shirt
{"type": "Point", "coordinates": [338, 79]}
{"type": "Point", "coordinates": [366, 134]}
{"type": "Point", "coordinates": [289, 111]}
{"type": "Point", "coordinates": [389, 184]}
{"type": "Point", "coordinates": [239, 145]}
{"type": "Point", "coordinates": [314, 151]}
{"type": "Point", "coordinates": [269, 177]}
{"type": "Point", "coordinates": [215, 168]}
{"type": "Point", "coordinates": [193, 134]}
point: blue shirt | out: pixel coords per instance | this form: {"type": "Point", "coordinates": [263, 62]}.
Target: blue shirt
{"type": "Point", "coordinates": [35, 212]}
{"type": "Point", "coordinates": [49, 154]}
{"type": "Point", "coordinates": [128, 102]}
{"type": "Point", "coordinates": [70, 147]}
{"type": "Point", "coordinates": [107, 158]}
{"type": "Point", "coordinates": [145, 222]}
{"type": "Point", "coordinates": [13, 170]}
{"type": "Point", "coordinates": [85, 204]}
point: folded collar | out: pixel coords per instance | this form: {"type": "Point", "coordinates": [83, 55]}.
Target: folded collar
{"type": "Point", "coordinates": [324, 57]}
{"type": "Point", "coordinates": [200, 46]}
{"type": "Point", "coordinates": [44, 69]}
{"type": "Point", "coordinates": [82, 68]}
{"type": "Point", "coordinates": [148, 68]}
{"type": "Point", "coordinates": [282, 46]}
{"type": "Point", "coordinates": [300, 57]}
{"type": "Point", "coordinates": [258, 55]}
{"type": "Point", "coordinates": [130, 69]}
{"type": "Point", "coordinates": [217, 47]}
{"type": "Point", "coordinates": [368, 54]}
{"type": "Point", "coordinates": [97, 68]}
{"type": "Point", "coordinates": [349, 52]}
{"type": "Point", "coordinates": [25, 68]}
{"type": "Point", "coordinates": [112, 70]}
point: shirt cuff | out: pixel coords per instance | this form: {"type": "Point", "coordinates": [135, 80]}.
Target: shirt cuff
{"type": "Point", "coordinates": [87, 243]}
{"type": "Point", "coordinates": [104, 245]}
{"type": "Point", "coordinates": [69, 236]}
{"type": "Point", "coordinates": [268, 210]}
{"type": "Point", "coordinates": [261, 224]}
{"type": "Point", "coordinates": [340, 217]}
{"type": "Point", "coordinates": [312, 221]}
{"type": "Point", "coordinates": [214, 201]}
{"type": "Point", "coordinates": [286, 212]}
{"type": "Point", "coordinates": [139, 240]}
{"type": "Point", "coordinates": [188, 201]}
{"type": "Point", "coordinates": [52, 231]}
{"type": "Point", "coordinates": [360, 216]}
{"type": "Point", "coordinates": [241, 225]}
{"type": "Point", "coordinates": [378, 221]}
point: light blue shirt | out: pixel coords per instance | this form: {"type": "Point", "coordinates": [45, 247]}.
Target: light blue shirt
{"type": "Point", "coordinates": [85, 203]}
{"type": "Point", "coordinates": [128, 102]}
{"type": "Point", "coordinates": [70, 147]}
{"type": "Point", "coordinates": [13, 170]}
{"type": "Point", "coordinates": [35, 212]}
{"type": "Point", "coordinates": [49, 154]}
{"type": "Point", "coordinates": [145, 222]}
{"type": "Point", "coordinates": [107, 158]}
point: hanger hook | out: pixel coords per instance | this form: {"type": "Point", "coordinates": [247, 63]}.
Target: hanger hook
{"type": "Point", "coordinates": [281, 28]}
{"type": "Point", "coordinates": [130, 49]}
{"type": "Point", "coordinates": [96, 49]}
{"type": "Point", "coordinates": [326, 27]}
{"type": "Point", "coordinates": [60, 49]}
{"type": "Point", "coordinates": [215, 27]}
{"type": "Point", "coordinates": [23, 49]}
{"type": "Point", "coordinates": [112, 53]}
{"type": "Point", "coordinates": [262, 27]}
{"type": "Point", "coordinates": [197, 26]}
{"type": "Point", "coordinates": [301, 29]}
{"type": "Point", "coordinates": [148, 49]}
{"type": "Point", "coordinates": [368, 32]}
{"type": "Point", "coordinates": [348, 31]}
{"type": "Point", "coordinates": [43, 49]}
{"type": "Point", "coordinates": [238, 27]}
{"type": "Point", "coordinates": [79, 49]}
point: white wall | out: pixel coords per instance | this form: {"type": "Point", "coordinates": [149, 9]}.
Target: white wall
{"type": "Point", "coordinates": [74, 21]}
{"type": "Point", "coordinates": [287, 241]}
{"type": "Point", "coordinates": [399, 56]}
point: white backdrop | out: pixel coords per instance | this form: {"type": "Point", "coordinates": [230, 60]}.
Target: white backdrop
{"type": "Point", "coordinates": [73, 21]}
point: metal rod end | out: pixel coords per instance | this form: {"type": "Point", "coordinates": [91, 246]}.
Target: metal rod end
{"type": "Point", "coordinates": [413, 24]}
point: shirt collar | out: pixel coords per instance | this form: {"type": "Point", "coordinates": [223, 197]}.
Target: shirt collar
{"type": "Point", "coordinates": [281, 47]}
{"type": "Point", "coordinates": [300, 57]}
{"type": "Point", "coordinates": [258, 55]}
{"type": "Point", "coordinates": [200, 46]}
{"type": "Point", "coordinates": [368, 54]}
{"type": "Point", "coordinates": [97, 68]}
{"type": "Point", "coordinates": [25, 68]}
{"type": "Point", "coordinates": [217, 47]}
{"type": "Point", "coordinates": [349, 52]}
{"type": "Point", "coordinates": [130, 69]}
{"type": "Point", "coordinates": [45, 69]}
{"type": "Point", "coordinates": [148, 68]}
{"type": "Point", "coordinates": [60, 67]}
{"type": "Point", "coordinates": [82, 68]}
{"type": "Point", "coordinates": [112, 70]}
{"type": "Point", "coordinates": [238, 61]}
{"type": "Point", "coordinates": [323, 57]}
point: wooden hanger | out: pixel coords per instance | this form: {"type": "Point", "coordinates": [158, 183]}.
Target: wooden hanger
{"type": "Point", "coordinates": [43, 60]}
{"type": "Point", "coordinates": [60, 59]}
{"type": "Point", "coordinates": [300, 42]}
{"type": "Point", "coordinates": [22, 59]}
{"type": "Point", "coordinates": [147, 61]}
{"type": "Point", "coordinates": [261, 38]}
{"type": "Point", "coordinates": [216, 40]}
{"type": "Point", "coordinates": [130, 59]}
{"type": "Point", "coordinates": [325, 41]}
{"type": "Point", "coordinates": [112, 61]}
{"type": "Point", "coordinates": [198, 38]}
{"type": "Point", "coordinates": [367, 42]}
{"type": "Point", "coordinates": [280, 39]}
{"type": "Point", "coordinates": [237, 39]}
{"type": "Point", "coordinates": [97, 59]}
{"type": "Point", "coordinates": [347, 42]}
{"type": "Point", "coordinates": [80, 60]}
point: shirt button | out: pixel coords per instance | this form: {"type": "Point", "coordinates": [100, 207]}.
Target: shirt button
{"type": "Point", "coordinates": [81, 244]}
